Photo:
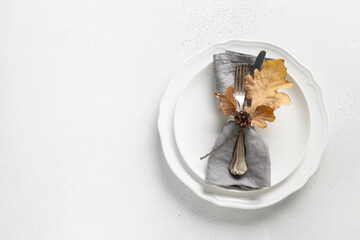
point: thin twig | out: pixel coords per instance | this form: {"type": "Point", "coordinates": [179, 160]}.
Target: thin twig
{"type": "Point", "coordinates": [217, 148]}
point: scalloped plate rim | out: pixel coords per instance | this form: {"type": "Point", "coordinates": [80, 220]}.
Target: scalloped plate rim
{"type": "Point", "coordinates": [209, 193]}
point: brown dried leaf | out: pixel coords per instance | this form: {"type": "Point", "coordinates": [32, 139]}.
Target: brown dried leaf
{"type": "Point", "coordinates": [262, 91]}
{"type": "Point", "coordinates": [261, 114]}
{"type": "Point", "coordinates": [227, 101]}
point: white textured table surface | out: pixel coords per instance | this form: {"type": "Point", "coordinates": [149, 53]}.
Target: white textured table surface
{"type": "Point", "coordinates": [80, 86]}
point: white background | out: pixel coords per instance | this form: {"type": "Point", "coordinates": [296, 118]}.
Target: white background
{"type": "Point", "coordinates": [80, 87]}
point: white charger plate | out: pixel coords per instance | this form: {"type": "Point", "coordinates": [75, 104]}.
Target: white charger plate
{"type": "Point", "coordinates": [296, 139]}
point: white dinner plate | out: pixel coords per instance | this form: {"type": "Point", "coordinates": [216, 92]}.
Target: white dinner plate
{"type": "Point", "coordinates": [198, 123]}
{"type": "Point", "coordinates": [189, 123]}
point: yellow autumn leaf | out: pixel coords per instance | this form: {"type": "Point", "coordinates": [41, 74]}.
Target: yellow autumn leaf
{"type": "Point", "coordinates": [261, 90]}
{"type": "Point", "coordinates": [227, 101]}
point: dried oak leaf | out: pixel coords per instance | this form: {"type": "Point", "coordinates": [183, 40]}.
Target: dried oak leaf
{"type": "Point", "coordinates": [227, 101]}
{"type": "Point", "coordinates": [262, 91]}
{"type": "Point", "coordinates": [261, 114]}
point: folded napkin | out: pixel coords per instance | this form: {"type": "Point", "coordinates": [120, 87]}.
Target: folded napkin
{"type": "Point", "coordinates": [257, 156]}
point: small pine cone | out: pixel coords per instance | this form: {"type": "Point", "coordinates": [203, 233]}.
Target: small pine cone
{"type": "Point", "coordinates": [243, 119]}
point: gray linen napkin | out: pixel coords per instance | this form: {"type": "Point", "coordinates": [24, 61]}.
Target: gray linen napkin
{"type": "Point", "coordinates": [257, 156]}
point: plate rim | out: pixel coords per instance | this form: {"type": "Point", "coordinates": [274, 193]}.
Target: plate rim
{"type": "Point", "coordinates": [216, 199]}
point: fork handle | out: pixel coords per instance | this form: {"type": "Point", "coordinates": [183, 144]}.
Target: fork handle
{"type": "Point", "coordinates": [238, 164]}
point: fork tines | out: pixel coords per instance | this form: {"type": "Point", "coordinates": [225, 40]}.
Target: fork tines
{"type": "Point", "coordinates": [240, 73]}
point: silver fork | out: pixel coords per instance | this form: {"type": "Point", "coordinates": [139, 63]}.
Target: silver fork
{"type": "Point", "coordinates": [238, 164]}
